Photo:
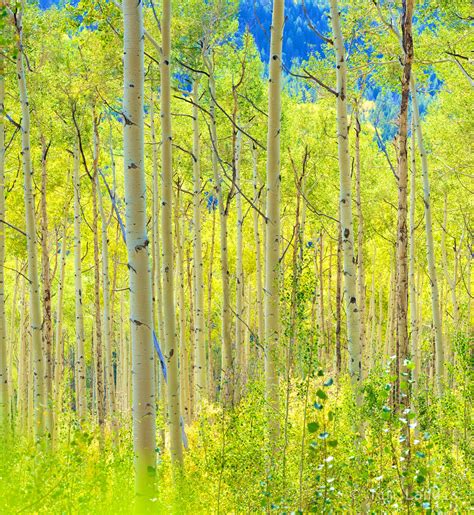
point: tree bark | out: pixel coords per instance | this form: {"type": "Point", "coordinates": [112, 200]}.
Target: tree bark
{"type": "Point", "coordinates": [141, 317]}
{"type": "Point", "coordinates": [80, 365]}
{"type": "Point", "coordinates": [360, 249]}
{"type": "Point", "coordinates": [200, 370]}
{"type": "Point", "coordinates": [345, 205]}
{"type": "Point", "coordinates": [272, 228]}
{"type": "Point", "coordinates": [402, 236]}
{"type": "Point", "coordinates": [172, 350]}
{"type": "Point", "coordinates": [435, 309]}
{"type": "Point", "coordinates": [46, 283]}
{"type": "Point", "coordinates": [39, 391]}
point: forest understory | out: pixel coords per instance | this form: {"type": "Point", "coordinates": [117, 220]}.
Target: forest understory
{"type": "Point", "coordinates": [235, 256]}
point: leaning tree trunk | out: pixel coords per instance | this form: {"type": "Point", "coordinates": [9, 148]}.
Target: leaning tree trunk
{"type": "Point", "coordinates": [272, 232]}
{"type": "Point", "coordinates": [4, 399]}
{"type": "Point", "coordinates": [436, 313]}
{"type": "Point", "coordinates": [79, 357]}
{"type": "Point", "coordinates": [141, 315]}
{"type": "Point", "coordinates": [402, 235]}
{"type": "Point", "coordinates": [171, 343]}
{"type": "Point", "coordinates": [200, 380]}
{"type": "Point", "coordinates": [345, 205]}
{"type": "Point", "coordinates": [39, 399]}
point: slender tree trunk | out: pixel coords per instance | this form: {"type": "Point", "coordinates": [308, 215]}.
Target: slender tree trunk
{"type": "Point", "coordinates": [402, 236]}
{"type": "Point", "coordinates": [200, 370]}
{"type": "Point", "coordinates": [80, 364]}
{"type": "Point", "coordinates": [97, 307]}
{"type": "Point", "coordinates": [23, 367]}
{"type": "Point", "coordinates": [59, 341]}
{"type": "Point", "coordinates": [171, 342]}
{"type": "Point", "coordinates": [46, 283]}
{"type": "Point", "coordinates": [39, 399]}
{"type": "Point", "coordinates": [239, 272]}
{"type": "Point", "coordinates": [141, 310]}
{"type": "Point", "coordinates": [436, 313]}
{"type": "Point", "coordinates": [210, 371]}
{"type": "Point", "coordinates": [338, 301]}
{"type": "Point", "coordinates": [180, 277]}
{"type": "Point", "coordinates": [106, 312]}
{"type": "Point", "coordinates": [347, 227]}
{"type": "Point", "coordinates": [360, 247]}
{"type": "Point", "coordinates": [4, 397]}
{"type": "Point", "coordinates": [415, 354]}
{"type": "Point", "coordinates": [258, 251]}
{"type": "Point", "coordinates": [272, 228]}
{"type": "Point", "coordinates": [227, 364]}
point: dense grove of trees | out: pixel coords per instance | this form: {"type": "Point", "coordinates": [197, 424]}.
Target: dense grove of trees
{"type": "Point", "coordinates": [234, 284]}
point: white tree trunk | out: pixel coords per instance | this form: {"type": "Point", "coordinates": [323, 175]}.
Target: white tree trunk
{"type": "Point", "coordinates": [80, 365]}
{"type": "Point", "coordinates": [258, 251]}
{"type": "Point", "coordinates": [272, 232]}
{"type": "Point", "coordinates": [39, 399]}
{"type": "Point", "coordinates": [345, 204]}
{"type": "Point", "coordinates": [435, 309]}
{"type": "Point", "coordinates": [141, 316]}
{"type": "Point", "coordinates": [171, 343]}
{"type": "Point", "coordinates": [200, 369]}
{"type": "Point", "coordinates": [239, 272]}
{"type": "Point", "coordinates": [106, 312]}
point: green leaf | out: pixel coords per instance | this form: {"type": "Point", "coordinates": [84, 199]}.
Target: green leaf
{"type": "Point", "coordinates": [332, 443]}
{"type": "Point", "coordinates": [313, 427]}
{"type": "Point", "coordinates": [321, 394]}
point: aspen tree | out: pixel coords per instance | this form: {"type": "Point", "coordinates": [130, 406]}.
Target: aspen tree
{"type": "Point", "coordinates": [227, 364]}
{"type": "Point", "coordinates": [97, 307]}
{"type": "Point", "coordinates": [4, 397]}
{"type": "Point", "coordinates": [450, 279]}
{"type": "Point", "coordinates": [23, 366]}
{"type": "Point", "coordinates": [39, 391]}
{"type": "Point", "coordinates": [46, 284]}
{"type": "Point", "coordinates": [272, 228]}
{"type": "Point", "coordinates": [80, 365]}
{"type": "Point", "coordinates": [210, 369]}
{"type": "Point", "coordinates": [435, 308]}
{"type": "Point", "coordinates": [239, 270]}
{"type": "Point", "coordinates": [183, 354]}
{"type": "Point", "coordinates": [345, 203]}
{"type": "Point", "coordinates": [200, 370]}
{"type": "Point", "coordinates": [258, 250]}
{"type": "Point", "coordinates": [171, 343]}
{"type": "Point", "coordinates": [158, 293]}
{"type": "Point", "coordinates": [360, 244]}
{"type": "Point", "coordinates": [58, 339]}
{"type": "Point", "coordinates": [415, 354]}
{"type": "Point", "coordinates": [402, 236]}
{"type": "Point", "coordinates": [106, 312]}
{"type": "Point", "coordinates": [338, 301]}
{"type": "Point", "coordinates": [143, 388]}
